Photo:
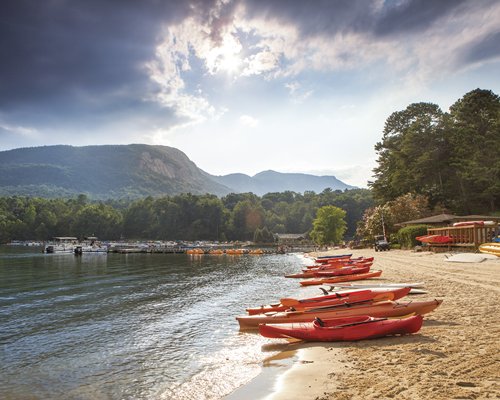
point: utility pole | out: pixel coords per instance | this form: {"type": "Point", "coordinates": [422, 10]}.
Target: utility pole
{"type": "Point", "coordinates": [383, 225]}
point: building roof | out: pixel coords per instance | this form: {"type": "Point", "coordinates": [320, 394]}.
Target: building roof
{"type": "Point", "coordinates": [435, 219]}
{"type": "Point", "coordinates": [449, 218]}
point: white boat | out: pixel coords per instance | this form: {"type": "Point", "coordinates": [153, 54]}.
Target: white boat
{"type": "Point", "coordinates": [61, 244]}
{"type": "Point", "coordinates": [91, 245]}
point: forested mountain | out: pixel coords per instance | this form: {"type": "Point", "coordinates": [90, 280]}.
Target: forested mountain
{"type": "Point", "coordinates": [453, 158]}
{"type": "Point", "coordinates": [132, 171]}
{"type": "Point", "coordinates": [272, 181]}
{"type": "Point", "coordinates": [102, 172]}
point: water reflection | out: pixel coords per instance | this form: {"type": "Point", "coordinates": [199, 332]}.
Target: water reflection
{"type": "Point", "coordinates": [133, 325]}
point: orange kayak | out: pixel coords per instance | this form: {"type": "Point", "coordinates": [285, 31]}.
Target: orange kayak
{"type": "Point", "coordinates": [346, 270]}
{"type": "Point", "coordinates": [351, 296]}
{"type": "Point", "coordinates": [374, 309]}
{"type": "Point", "coordinates": [344, 278]}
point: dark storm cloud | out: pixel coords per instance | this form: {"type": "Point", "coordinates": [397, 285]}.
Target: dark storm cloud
{"type": "Point", "coordinates": [64, 50]}
{"type": "Point", "coordinates": [317, 17]}
{"type": "Point", "coordinates": [414, 16]}
{"type": "Point", "coordinates": [487, 49]}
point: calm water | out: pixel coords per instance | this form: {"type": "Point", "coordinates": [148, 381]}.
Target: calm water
{"type": "Point", "coordinates": [136, 326]}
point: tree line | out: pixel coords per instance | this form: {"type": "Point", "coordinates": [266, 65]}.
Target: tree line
{"type": "Point", "coordinates": [432, 162]}
{"type": "Point", "coordinates": [429, 161]}
{"type": "Point", "coordinates": [452, 158]}
{"type": "Point", "coordinates": [243, 216]}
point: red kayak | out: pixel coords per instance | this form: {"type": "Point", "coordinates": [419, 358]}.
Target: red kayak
{"type": "Point", "coordinates": [347, 297]}
{"type": "Point", "coordinates": [343, 278]}
{"type": "Point", "coordinates": [379, 309]}
{"type": "Point", "coordinates": [436, 239]}
{"type": "Point", "coordinates": [342, 261]}
{"type": "Point", "coordinates": [343, 329]}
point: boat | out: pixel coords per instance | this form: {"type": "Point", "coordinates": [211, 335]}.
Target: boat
{"type": "Point", "coordinates": [352, 269]}
{"type": "Point", "coordinates": [415, 288]}
{"type": "Point", "coordinates": [490, 248]}
{"type": "Point", "coordinates": [256, 252]}
{"type": "Point", "coordinates": [195, 251]}
{"type": "Point", "coordinates": [343, 329]}
{"type": "Point", "coordinates": [337, 256]}
{"type": "Point", "coordinates": [381, 309]}
{"type": "Point", "coordinates": [416, 285]}
{"type": "Point", "coordinates": [343, 271]}
{"type": "Point", "coordinates": [61, 244]}
{"type": "Point", "coordinates": [349, 296]}
{"type": "Point", "coordinates": [479, 223]}
{"type": "Point", "coordinates": [328, 259]}
{"type": "Point", "coordinates": [343, 278]}
{"type": "Point", "coordinates": [341, 263]}
{"type": "Point", "coordinates": [435, 239]}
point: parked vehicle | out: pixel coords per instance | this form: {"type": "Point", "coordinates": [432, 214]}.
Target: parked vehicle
{"type": "Point", "coordinates": [381, 243]}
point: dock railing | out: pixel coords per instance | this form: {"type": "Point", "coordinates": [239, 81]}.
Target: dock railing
{"type": "Point", "coordinates": [471, 236]}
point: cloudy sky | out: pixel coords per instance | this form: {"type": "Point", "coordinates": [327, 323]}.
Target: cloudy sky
{"type": "Point", "coordinates": [239, 86]}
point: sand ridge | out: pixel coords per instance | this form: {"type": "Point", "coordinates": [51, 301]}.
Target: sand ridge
{"type": "Point", "coordinates": [456, 354]}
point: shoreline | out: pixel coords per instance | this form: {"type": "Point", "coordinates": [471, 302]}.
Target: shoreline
{"type": "Point", "coordinates": [454, 355]}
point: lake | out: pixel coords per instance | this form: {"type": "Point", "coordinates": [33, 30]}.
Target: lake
{"type": "Point", "coordinates": [132, 326]}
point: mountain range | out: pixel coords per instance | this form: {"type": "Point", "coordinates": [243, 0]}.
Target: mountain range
{"type": "Point", "coordinates": [133, 171]}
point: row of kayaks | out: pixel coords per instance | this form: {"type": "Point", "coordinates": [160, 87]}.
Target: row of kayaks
{"type": "Point", "coordinates": [344, 312]}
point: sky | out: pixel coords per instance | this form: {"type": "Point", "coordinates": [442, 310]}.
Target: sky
{"type": "Point", "coordinates": [240, 86]}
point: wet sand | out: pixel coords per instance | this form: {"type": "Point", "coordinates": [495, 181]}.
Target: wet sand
{"type": "Point", "coordinates": [456, 354]}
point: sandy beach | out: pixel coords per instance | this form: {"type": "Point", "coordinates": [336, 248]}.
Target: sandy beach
{"type": "Point", "coordinates": [456, 354]}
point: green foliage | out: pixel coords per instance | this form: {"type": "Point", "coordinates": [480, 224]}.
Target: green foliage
{"type": "Point", "coordinates": [182, 217]}
{"type": "Point", "coordinates": [329, 225]}
{"type": "Point", "coordinates": [406, 236]}
{"type": "Point", "coordinates": [384, 218]}
{"type": "Point", "coordinates": [451, 158]}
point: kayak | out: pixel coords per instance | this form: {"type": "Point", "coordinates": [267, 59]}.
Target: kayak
{"type": "Point", "coordinates": [490, 248]}
{"type": "Point", "coordinates": [436, 239]}
{"type": "Point", "coordinates": [337, 261]}
{"type": "Point", "coordinates": [338, 256]}
{"type": "Point", "coordinates": [343, 271]}
{"type": "Point", "coordinates": [347, 270]}
{"type": "Point", "coordinates": [343, 278]}
{"type": "Point", "coordinates": [479, 223]}
{"type": "Point", "coordinates": [414, 287]}
{"type": "Point", "coordinates": [339, 264]}
{"type": "Point", "coordinates": [351, 296]}
{"type": "Point", "coordinates": [375, 309]}
{"type": "Point", "coordinates": [343, 329]}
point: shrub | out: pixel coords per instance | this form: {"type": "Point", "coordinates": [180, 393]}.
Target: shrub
{"type": "Point", "coordinates": [407, 235]}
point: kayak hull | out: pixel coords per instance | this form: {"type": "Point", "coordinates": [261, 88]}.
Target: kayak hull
{"type": "Point", "coordinates": [378, 309]}
{"type": "Point", "coordinates": [343, 329]}
{"type": "Point", "coordinates": [344, 278]}
{"type": "Point", "coordinates": [332, 299]}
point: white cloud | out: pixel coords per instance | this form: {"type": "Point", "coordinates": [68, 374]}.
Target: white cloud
{"type": "Point", "coordinates": [297, 93]}
{"type": "Point", "coordinates": [19, 130]}
{"type": "Point", "coordinates": [249, 121]}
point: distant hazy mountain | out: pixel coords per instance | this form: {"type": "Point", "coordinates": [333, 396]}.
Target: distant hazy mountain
{"type": "Point", "coordinates": [272, 181]}
{"type": "Point", "coordinates": [136, 170]}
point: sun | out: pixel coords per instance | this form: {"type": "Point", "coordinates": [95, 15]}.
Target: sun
{"type": "Point", "coordinates": [228, 55]}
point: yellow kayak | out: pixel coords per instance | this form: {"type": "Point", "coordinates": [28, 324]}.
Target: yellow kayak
{"type": "Point", "coordinates": [490, 248]}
